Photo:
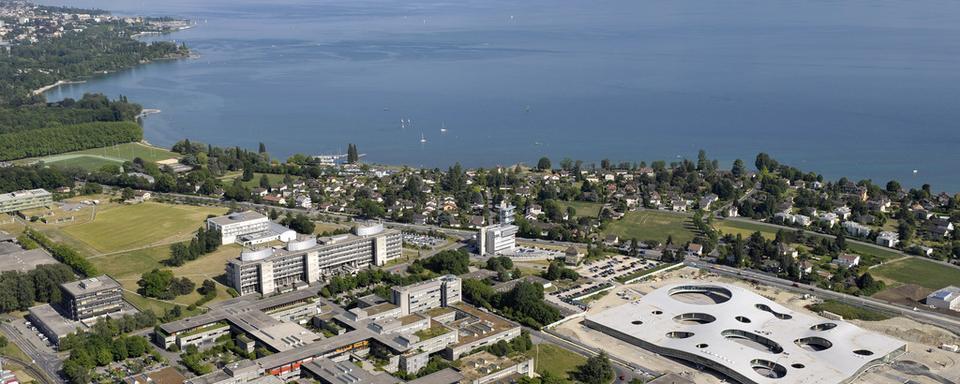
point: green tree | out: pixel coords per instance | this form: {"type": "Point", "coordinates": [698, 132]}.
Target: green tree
{"type": "Point", "coordinates": [596, 370]}
{"type": "Point", "coordinates": [543, 164]}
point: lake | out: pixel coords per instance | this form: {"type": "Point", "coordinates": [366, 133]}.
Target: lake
{"type": "Point", "coordinates": [863, 89]}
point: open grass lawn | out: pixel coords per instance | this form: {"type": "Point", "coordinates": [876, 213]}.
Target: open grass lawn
{"type": "Point", "coordinates": [125, 227]}
{"type": "Point", "coordinates": [12, 350]}
{"type": "Point", "coordinates": [558, 361]}
{"type": "Point", "coordinates": [924, 273]}
{"type": "Point", "coordinates": [653, 225]}
{"type": "Point", "coordinates": [584, 208]}
{"type": "Point", "coordinates": [127, 267]}
{"type": "Point", "coordinates": [744, 229]}
{"type": "Point", "coordinates": [97, 157]}
{"type": "Point", "coordinates": [849, 312]}
{"type": "Point", "coordinates": [86, 162]}
{"type": "Point", "coordinates": [878, 254]}
{"type": "Point", "coordinates": [275, 179]}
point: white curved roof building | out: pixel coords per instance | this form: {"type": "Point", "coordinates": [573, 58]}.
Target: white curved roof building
{"type": "Point", "coordinates": [745, 336]}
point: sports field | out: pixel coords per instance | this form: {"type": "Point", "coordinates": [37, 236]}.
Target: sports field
{"type": "Point", "coordinates": [95, 158]}
{"type": "Point", "coordinates": [122, 227]}
{"type": "Point", "coordinates": [653, 225]}
{"type": "Point", "coordinates": [744, 229]}
{"type": "Point", "coordinates": [918, 271]}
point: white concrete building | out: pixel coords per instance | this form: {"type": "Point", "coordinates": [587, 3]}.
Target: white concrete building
{"type": "Point", "coordinates": [745, 336]}
{"type": "Point", "coordinates": [439, 292]}
{"type": "Point", "coordinates": [27, 199]}
{"type": "Point", "coordinates": [238, 224]}
{"type": "Point", "coordinates": [306, 261]}
{"type": "Point", "coordinates": [888, 239]}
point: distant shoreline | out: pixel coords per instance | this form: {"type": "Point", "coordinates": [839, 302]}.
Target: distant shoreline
{"type": "Point", "coordinates": [55, 85]}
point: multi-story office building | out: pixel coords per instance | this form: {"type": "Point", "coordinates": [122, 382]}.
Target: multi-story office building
{"type": "Point", "coordinates": [501, 237]}
{"type": "Point", "coordinates": [93, 297]}
{"type": "Point", "coordinates": [439, 292]}
{"type": "Point", "coordinates": [272, 269]}
{"type": "Point", "coordinates": [249, 227]}
{"type": "Point", "coordinates": [20, 200]}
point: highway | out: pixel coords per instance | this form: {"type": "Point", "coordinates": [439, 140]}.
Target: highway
{"type": "Point", "coordinates": [49, 363]}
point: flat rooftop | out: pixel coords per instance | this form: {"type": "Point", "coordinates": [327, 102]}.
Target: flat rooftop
{"type": "Point", "coordinates": [238, 307]}
{"type": "Point", "coordinates": [23, 194]}
{"type": "Point", "coordinates": [93, 284]}
{"type": "Point", "coordinates": [478, 325]}
{"type": "Point", "coordinates": [53, 321]}
{"type": "Point", "coordinates": [744, 335]}
{"type": "Point", "coordinates": [346, 373]}
{"type": "Point", "coordinates": [24, 261]}
{"type": "Point", "coordinates": [445, 376]}
{"type": "Point", "coordinates": [236, 217]}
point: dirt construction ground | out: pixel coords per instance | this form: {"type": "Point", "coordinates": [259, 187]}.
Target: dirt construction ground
{"type": "Point", "coordinates": [923, 363]}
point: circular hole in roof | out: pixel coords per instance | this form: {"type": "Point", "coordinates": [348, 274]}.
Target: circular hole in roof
{"type": "Point", "coordinates": [679, 334]}
{"type": "Point", "coordinates": [636, 322]}
{"type": "Point", "coordinates": [814, 343]}
{"type": "Point", "coordinates": [657, 312]}
{"type": "Point", "coordinates": [752, 340]}
{"type": "Point", "coordinates": [823, 327]}
{"type": "Point", "coordinates": [768, 369]}
{"type": "Point", "coordinates": [700, 294]}
{"type": "Point", "coordinates": [694, 318]}
{"type": "Point", "coordinates": [798, 365]}
{"type": "Point", "coordinates": [766, 308]}
{"type": "Point", "coordinates": [863, 352]}
{"type": "Point", "coordinates": [702, 346]}
{"type": "Point", "coordinates": [743, 319]}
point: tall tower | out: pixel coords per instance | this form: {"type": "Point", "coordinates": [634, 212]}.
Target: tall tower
{"type": "Point", "coordinates": [506, 212]}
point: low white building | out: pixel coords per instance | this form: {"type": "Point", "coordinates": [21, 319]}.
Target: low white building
{"type": "Point", "coordinates": [249, 228]}
{"type": "Point", "coordinates": [945, 298]}
{"type": "Point", "coordinates": [848, 260]}
{"type": "Point", "coordinates": [856, 229]}
{"type": "Point", "coordinates": [888, 239]}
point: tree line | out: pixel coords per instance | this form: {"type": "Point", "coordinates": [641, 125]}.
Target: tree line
{"type": "Point", "coordinates": [92, 107]}
{"type": "Point", "coordinates": [105, 343]}
{"type": "Point", "coordinates": [67, 138]}
{"type": "Point", "coordinates": [204, 242]}
{"type": "Point", "coordinates": [523, 303]}
{"type": "Point", "coordinates": [64, 254]}
{"type": "Point", "coordinates": [21, 290]}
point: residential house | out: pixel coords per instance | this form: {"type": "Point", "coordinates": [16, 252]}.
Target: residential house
{"type": "Point", "coordinates": [848, 260]}
{"type": "Point", "coordinates": [888, 239]}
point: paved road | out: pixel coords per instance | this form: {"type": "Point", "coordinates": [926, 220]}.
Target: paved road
{"type": "Point", "coordinates": [45, 360]}
{"type": "Point", "coordinates": [947, 322]}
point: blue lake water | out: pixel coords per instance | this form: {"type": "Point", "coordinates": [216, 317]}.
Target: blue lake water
{"type": "Point", "coordinates": [865, 89]}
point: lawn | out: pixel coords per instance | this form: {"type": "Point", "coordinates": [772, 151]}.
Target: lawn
{"type": "Point", "coordinates": [744, 229]}
{"type": "Point", "coordinates": [127, 267]}
{"type": "Point", "coordinates": [97, 157]}
{"type": "Point", "coordinates": [125, 227]}
{"type": "Point", "coordinates": [556, 360]}
{"type": "Point", "coordinates": [86, 162]}
{"type": "Point", "coordinates": [652, 225]}
{"type": "Point", "coordinates": [584, 208]}
{"type": "Point", "coordinates": [275, 179]}
{"type": "Point", "coordinates": [848, 311]}
{"type": "Point", "coordinates": [924, 273]}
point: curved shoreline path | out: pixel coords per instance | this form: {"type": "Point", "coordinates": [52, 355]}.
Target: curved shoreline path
{"type": "Point", "coordinates": [55, 85]}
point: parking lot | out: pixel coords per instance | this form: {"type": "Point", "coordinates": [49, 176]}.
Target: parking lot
{"type": "Point", "coordinates": [32, 334]}
{"type": "Point", "coordinates": [614, 267]}
{"type": "Point", "coordinates": [421, 240]}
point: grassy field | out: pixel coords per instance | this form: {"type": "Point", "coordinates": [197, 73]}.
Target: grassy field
{"type": "Point", "coordinates": [127, 267]}
{"type": "Point", "coordinates": [584, 208]}
{"type": "Point", "coordinates": [558, 361]}
{"type": "Point", "coordinates": [125, 227]}
{"type": "Point", "coordinates": [924, 273]}
{"type": "Point", "coordinates": [275, 179]}
{"type": "Point", "coordinates": [97, 157]}
{"type": "Point", "coordinates": [848, 311]}
{"type": "Point", "coordinates": [655, 225]}
{"type": "Point", "coordinates": [744, 229]}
